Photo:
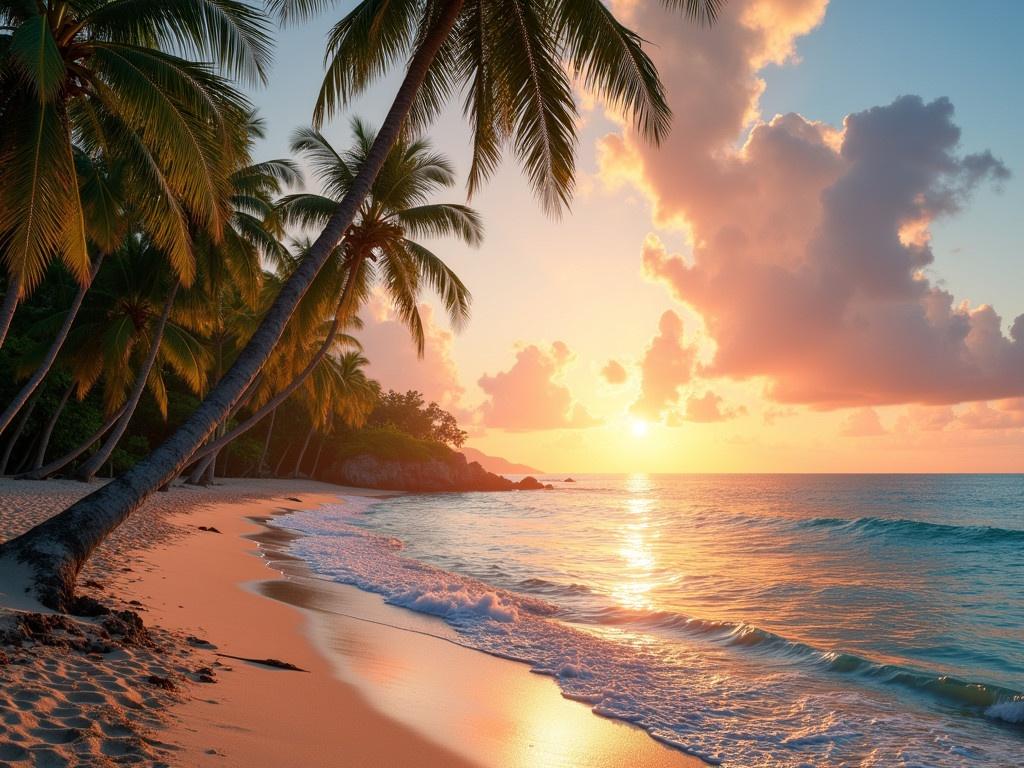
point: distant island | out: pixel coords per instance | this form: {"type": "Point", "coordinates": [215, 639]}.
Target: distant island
{"type": "Point", "coordinates": [498, 465]}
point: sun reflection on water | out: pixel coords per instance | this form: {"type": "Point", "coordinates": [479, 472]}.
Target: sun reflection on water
{"type": "Point", "coordinates": [637, 560]}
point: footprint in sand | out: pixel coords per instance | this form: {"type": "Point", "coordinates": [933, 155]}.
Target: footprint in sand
{"type": "Point", "coordinates": [86, 697]}
{"type": "Point", "coordinates": [12, 751]}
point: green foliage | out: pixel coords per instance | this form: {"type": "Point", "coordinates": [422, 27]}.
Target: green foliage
{"type": "Point", "coordinates": [133, 85]}
{"type": "Point", "coordinates": [514, 60]}
{"type": "Point", "coordinates": [386, 443]}
{"type": "Point", "coordinates": [408, 413]}
{"type": "Point", "coordinates": [128, 451]}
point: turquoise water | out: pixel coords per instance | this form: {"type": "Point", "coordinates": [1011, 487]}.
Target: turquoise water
{"type": "Point", "coordinates": [752, 620]}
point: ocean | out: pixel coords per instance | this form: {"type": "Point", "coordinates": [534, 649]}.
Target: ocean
{"type": "Point", "coordinates": [751, 620]}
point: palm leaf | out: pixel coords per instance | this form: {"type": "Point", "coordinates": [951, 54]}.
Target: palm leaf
{"type": "Point", "coordinates": [34, 55]}
{"type": "Point", "coordinates": [235, 34]}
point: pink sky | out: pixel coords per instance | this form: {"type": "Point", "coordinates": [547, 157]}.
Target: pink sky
{"type": "Point", "coordinates": [763, 290]}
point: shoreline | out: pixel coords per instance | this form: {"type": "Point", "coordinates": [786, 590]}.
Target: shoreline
{"type": "Point", "coordinates": [384, 686]}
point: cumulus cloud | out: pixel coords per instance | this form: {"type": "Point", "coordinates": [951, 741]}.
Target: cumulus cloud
{"type": "Point", "coordinates": [925, 418]}
{"type": "Point", "coordinates": [614, 373]}
{"type": "Point", "coordinates": [530, 395]}
{"type": "Point", "coordinates": [667, 365]}
{"type": "Point", "coordinates": [863, 422]}
{"type": "Point", "coordinates": [984, 416]}
{"type": "Point", "coordinates": [393, 359]}
{"type": "Point", "coordinates": [809, 242]}
{"type": "Point", "coordinates": [708, 408]}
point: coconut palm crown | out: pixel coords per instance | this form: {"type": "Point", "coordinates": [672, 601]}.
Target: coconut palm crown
{"type": "Point", "coordinates": [116, 80]}
{"type": "Point", "coordinates": [514, 62]}
{"type": "Point", "coordinates": [379, 246]}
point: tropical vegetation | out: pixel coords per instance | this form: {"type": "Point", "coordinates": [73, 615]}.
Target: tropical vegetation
{"type": "Point", "coordinates": [129, 194]}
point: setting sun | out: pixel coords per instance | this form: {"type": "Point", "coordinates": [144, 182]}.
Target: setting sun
{"type": "Point", "coordinates": [673, 349]}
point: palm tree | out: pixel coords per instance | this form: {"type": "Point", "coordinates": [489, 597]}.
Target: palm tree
{"type": "Point", "coordinates": [106, 79]}
{"type": "Point", "coordinates": [127, 332]}
{"type": "Point", "coordinates": [508, 55]}
{"type": "Point", "coordinates": [377, 248]}
{"type": "Point", "coordinates": [233, 261]}
{"type": "Point", "coordinates": [338, 389]}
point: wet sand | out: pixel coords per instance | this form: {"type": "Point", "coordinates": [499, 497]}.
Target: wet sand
{"type": "Point", "coordinates": [383, 686]}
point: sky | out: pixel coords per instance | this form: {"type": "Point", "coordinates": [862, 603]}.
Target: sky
{"type": "Point", "coordinates": [817, 271]}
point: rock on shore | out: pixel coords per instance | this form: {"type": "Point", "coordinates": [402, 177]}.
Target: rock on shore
{"type": "Point", "coordinates": [454, 473]}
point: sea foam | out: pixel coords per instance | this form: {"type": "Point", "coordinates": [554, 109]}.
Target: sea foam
{"type": "Point", "coordinates": [710, 704]}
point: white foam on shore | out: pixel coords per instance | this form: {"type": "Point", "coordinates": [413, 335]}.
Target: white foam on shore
{"type": "Point", "coordinates": [721, 707]}
{"type": "Point", "coordinates": [1008, 711]}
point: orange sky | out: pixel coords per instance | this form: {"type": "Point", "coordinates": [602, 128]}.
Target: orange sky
{"type": "Point", "coordinates": [767, 292]}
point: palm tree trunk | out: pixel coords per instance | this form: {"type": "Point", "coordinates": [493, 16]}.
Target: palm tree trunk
{"type": "Point", "coordinates": [200, 470]}
{"type": "Point", "coordinates": [302, 452]}
{"type": "Point", "coordinates": [10, 303]}
{"type": "Point", "coordinates": [281, 396]}
{"type": "Point", "coordinates": [280, 461]}
{"type": "Point", "coordinates": [53, 552]}
{"type": "Point", "coordinates": [17, 435]}
{"type": "Point", "coordinates": [44, 441]}
{"type": "Point", "coordinates": [89, 469]}
{"type": "Point", "coordinates": [266, 445]}
{"type": "Point", "coordinates": [26, 455]}
{"type": "Point", "coordinates": [51, 354]}
{"type": "Point", "coordinates": [210, 466]}
{"type": "Point", "coordinates": [43, 472]}
{"type": "Point", "coordinates": [319, 453]}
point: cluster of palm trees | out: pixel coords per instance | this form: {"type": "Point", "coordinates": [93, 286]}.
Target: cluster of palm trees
{"type": "Point", "coordinates": [134, 322]}
{"type": "Point", "coordinates": [126, 140]}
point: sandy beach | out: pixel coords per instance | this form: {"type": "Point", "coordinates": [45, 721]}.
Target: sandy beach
{"type": "Point", "coordinates": [379, 686]}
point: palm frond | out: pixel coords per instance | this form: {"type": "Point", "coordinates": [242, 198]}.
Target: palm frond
{"type": "Point", "coordinates": [34, 55]}
{"type": "Point", "coordinates": [610, 59]}
{"type": "Point", "coordinates": [363, 46]}
{"type": "Point", "coordinates": [235, 34]}
{"type": "Point", "coordinates": [443, 220]}
{"type": "Point", "coordinates": [454, 295]}
{"type": "Point", "coordinates": [40, 208]}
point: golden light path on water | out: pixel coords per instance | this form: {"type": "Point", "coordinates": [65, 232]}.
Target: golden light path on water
{"type": "Point", "coordinates": [636, 551]}
{"type": "Point", "coordinates": [816, 620]}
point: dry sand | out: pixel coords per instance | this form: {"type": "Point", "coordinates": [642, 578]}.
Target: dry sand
{"type": "Point", "coordinates": [202, 594]}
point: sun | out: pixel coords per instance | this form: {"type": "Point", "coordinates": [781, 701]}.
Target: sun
{"type": "Point", "coordinates": [639, 428]}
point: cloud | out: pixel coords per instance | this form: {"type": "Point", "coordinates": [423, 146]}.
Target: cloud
{"type": "Point", "coordinates": [925, 418]}
{"type": "Point", "coordinates": [529, 396]}
{"type": "Point", "coordinates": [771, 415]}
{"type": "Point", "coordinates": [863, 422]}
{"type": "Point", "coordinates": [810, 244]}
{"type": "Point", "coordinates": [393, 360]}
{"type": "Point", "coordinates": [667, 365]}
{"type": "Point", "coordinates": [984, 416]}
{"type": "Point", "coordinates": [614, 373]}
{"type": "Point", "coordinates": [708, 408]}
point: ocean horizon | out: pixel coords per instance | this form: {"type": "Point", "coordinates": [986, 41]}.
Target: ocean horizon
{"type": "Point", "coordinates": [769, 619]}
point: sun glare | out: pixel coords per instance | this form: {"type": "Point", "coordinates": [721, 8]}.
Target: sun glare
{"type": "Point", "coordinates": [639, 428]}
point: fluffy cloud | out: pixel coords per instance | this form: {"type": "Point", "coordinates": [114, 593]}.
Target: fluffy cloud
{"type": "Point", "coordinates": [393, 359]}
{"type": "Point", "coordinates": [614, 373]}
{"type": "Point", "coordinates": [863, 422]}
{"type": "Point", "coordinates": [708, 408]}
{"type": "Point", "coordinates": [984, 416]}
{"type": "Point", "coordinates": [529, 395]}
{"type": "Point", "coordinates": [926, 418]}
{"type": "Point", "coordinates": [810, 242]}
{"type": "Point", "coordinates": [667, 365]}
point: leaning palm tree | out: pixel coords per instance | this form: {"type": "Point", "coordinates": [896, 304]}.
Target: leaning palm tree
{"type": "Point", "coordinates": [509, 56]}
{"type": "Point", "coordinates": [378, 248]}
{"type": "Point", "coordinates": [105, 211]}
{"type": "Point", "coordinates": [129, 331]}
{"type": "Point", "coordinates": [338, 389]}
{"type": "Point", "coordinates": [109, 78]}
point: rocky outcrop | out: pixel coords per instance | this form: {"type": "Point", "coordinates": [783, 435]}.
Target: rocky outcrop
{"type": "Point", "coordinates": [451, 474]}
